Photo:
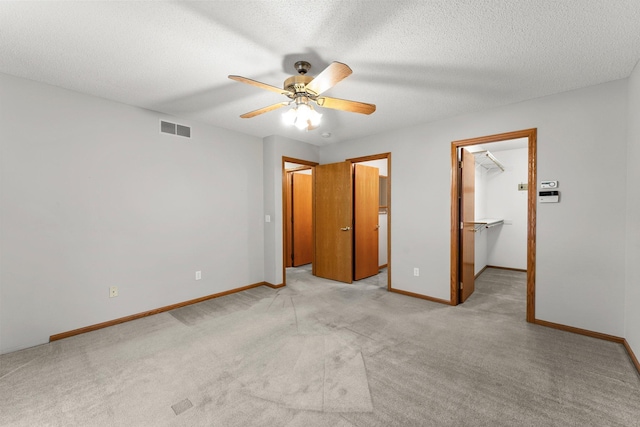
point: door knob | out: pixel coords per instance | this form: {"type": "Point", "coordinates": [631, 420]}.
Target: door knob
{"type": "Point", "coordinates": [345, 228]}
{"type": "Point", "coordinates": [377, 227]}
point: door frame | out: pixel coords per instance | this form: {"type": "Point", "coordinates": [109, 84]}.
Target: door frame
{"type": "Point", "coordinates": [531, 135]}
{"type": "Point", "coordinates": [382, 156]}
{"type": "Point", "coordinates": [306, 164]}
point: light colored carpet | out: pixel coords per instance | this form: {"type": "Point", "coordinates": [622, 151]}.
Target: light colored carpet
{"type": "Point", "coordinates": [322, 353]}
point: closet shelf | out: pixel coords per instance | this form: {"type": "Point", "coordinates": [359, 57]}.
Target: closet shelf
{"type": "Point", "coordinates": [486, 223]}
{"type": "Point", "coordinates": [487, 160]}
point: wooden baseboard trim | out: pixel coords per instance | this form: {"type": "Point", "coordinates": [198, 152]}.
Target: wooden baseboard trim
{"type": "Point", "coordinates": [481, 271]}
{"type": "Point", "coordinates": [380, 267]}
{"type": "Point", "coordinates": [632, 356]}
{"type": "Point", "coordinates": [425, 297]}
{"type": "Point", "coordinates": [507, 268]}
{"type": "Point", "coordinates": [593, 334]}
{"type": "Point", "coordinates": [272, 286]}
{"type": "Point", "coordinates": [97, 326]}
{"type": "Point", "coordinates": [579, 331]}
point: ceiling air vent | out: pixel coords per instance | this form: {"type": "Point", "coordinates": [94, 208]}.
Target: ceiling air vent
{"type": "Point", "coordinates": [175, 129]}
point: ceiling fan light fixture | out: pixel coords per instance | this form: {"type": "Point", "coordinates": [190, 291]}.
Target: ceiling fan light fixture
{"type": "Point", "coordinates": [289, 117]}
{"type": "Point", "coordinates": [302, 116]}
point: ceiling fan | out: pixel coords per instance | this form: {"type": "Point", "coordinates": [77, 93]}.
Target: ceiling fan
{"type": "Point", "coordinates": [303, 90]}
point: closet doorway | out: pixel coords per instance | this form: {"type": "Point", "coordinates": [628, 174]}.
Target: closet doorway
{"type": "Point", "coordinates": [482, 233]}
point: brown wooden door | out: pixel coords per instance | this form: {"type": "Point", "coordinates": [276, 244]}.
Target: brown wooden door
{"type": "Point", "coordinates": [302, 225]}
{"type": "Point", "coordinates": [366, 197]}
{"type": "Point", "coordinates": [333, 194]}
{"type": "Point", "coordinates": [467, 217]}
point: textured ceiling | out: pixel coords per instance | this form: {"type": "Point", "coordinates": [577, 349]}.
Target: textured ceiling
{"type": "Point", "coordinates": [418, 61]}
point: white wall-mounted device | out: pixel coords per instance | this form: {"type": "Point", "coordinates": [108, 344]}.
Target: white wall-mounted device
{"type": "Point", "coordinates": [549, 196]}
{"type": "Point", "coordinates": [549, 184]}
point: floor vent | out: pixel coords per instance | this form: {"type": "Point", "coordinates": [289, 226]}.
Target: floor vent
{"type": "Point", "coordinates": [175, 129]}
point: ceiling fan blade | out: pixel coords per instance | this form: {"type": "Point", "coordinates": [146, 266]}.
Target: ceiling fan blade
{"type": "Point", "coordinates": [345, 105]}
{"type": "Point", "coordinates": [261, 85]}
{"type": "Point", "coordinates": [263, 110]}
{"type": "Point", "coordinates": [329, 77]}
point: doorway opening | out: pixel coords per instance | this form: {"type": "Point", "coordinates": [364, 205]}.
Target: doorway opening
{"type": "Point", "coordinates": [383, 163]}
{"type": "Point", "coordinates": [297, 214]}
{"type": "Point", "coordinates": [465, 226]}
{"type": "Point", "coordinates": [379, 219]}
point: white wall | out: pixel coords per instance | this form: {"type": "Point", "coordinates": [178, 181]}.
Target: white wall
{"type": "Point", "coordinates": [274, 148]}
{"type": "Point", "coordinates": [480, 238]}
{"type": "Point", "coordinates": [497, 196]}
{"type": "Point", "coordinates": [632, 306]}
{"type": "Point", "coordinates": [582, 142]}
{"type": "Point", "coordinates": [480, 192]}
{"type": "Point", "coordinates": [507, 243]}
{"type": "Point", "coordinates": [92, 196]}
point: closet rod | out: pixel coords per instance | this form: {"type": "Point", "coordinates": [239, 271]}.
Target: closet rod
{"type": "Point", "coordinates": [494, 160]}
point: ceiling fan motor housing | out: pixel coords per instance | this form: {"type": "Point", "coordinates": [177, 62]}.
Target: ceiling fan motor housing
{"type": "Point", "coordinates": [302, 67]}
{"type": "Point", "coordinates": [297, 84]}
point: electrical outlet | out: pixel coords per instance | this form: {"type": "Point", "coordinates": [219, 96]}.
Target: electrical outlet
{"type": "Point", "coordinates": [113, 291]}
{"type": "Point", "coordinates": [198, 275]}
{"type": "Point", "coordinates": [416, 271]}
